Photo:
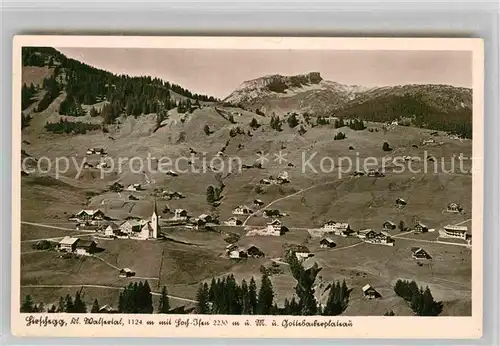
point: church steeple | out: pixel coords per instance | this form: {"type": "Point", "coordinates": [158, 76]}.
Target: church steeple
{"type": "Point", "coordinates": [154, 222]}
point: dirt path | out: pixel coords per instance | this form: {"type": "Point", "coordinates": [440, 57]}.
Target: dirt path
{"type": "Point", "coordinates": [102, 286]}
{"type": "Point", "coordinates": [306, 189]}
{"type": "Point", "coordinates": [55, 238]}
{"type": "Point", "coordinates": [51, 226]}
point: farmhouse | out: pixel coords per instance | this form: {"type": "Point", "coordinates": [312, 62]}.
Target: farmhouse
{"type": "Point", "coordinates": [85, 247]}
{"type": "Point", "coordinates": [242, 210]}
{"type": "Point", "coordinates": [274, 228]}
{"type": "Point", "coordinates": [111, 229]}
{"type": "Point", "coordinates": [454, 208]}
{"type": "Point", "coordinates": [254, 252]}
{"type": "Point", "coordinates": [258, 202]}
{"type": "Point", "coordinates": [300, 251]}
{"type": "Point", "coordinates": [367, 234]}
{"type": "Point", "coordinates": [67, 244]}
{"type": "Point", "coordinates": [131, 226]}
{"type": "Point", "coordinates": [383, 238]}
{"type": "Point", "coordinates": [338, 228]}
{"type": "Point", "coordinates": [236, 254]}
{"type": "Point", "coordinates": [419, 253]}
{"type": "Point", "coordinates": [89, 215]}
{"type": "Point", "coordinates": [134, 187]}
{"type": "Point", "coordinates": [140, 229]}
{"type": "Point", "coordinates": [420, 228]}
{"type": "Point", "coordinates": [389, 225]}
{"type": "Point", "coordinates": [401, 203]}
{"type": "Point", "coordinates": [369, 292]}
{"type": "Point", "coordinates": [231, 247]}
{"type": "Point", "coordinates": [233, 221]}
{"type": "Point", "coordinates": [265, 181]}
{"type": "Point", "coordinates": [282, 178]}
{"type": "Point", "coordinates": [126, 272]}
{"type": "Point", "coordinates": [459, 232]}
{"type": "Point", "coordinates": [180, 214]}
{"type": "Point", "coordinates": [172, 195]}
{"type": "Point", "coordinates": [205, 218]}
{"type": "Point", "coordinates": [327, 243]}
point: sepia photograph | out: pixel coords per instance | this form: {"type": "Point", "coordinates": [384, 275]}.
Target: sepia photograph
{"type": "Point", "coordinates": [299, 180]}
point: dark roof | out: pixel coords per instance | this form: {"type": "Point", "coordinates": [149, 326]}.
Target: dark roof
{"type": "Point", "coordinates": [85, 243]}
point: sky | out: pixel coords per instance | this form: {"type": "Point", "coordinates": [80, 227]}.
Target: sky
{"type": "Point", "coordinates": [217, 72]}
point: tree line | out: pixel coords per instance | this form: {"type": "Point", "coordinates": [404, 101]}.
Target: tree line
{"type": "Point", "coordinates": [76, 127]}
{"type": "Point", "coordinates": [421, 300]}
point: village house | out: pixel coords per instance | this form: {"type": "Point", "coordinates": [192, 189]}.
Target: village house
{"type": "Point", "coordinates": [85, 247]}
{"type": "Point", "coordinates": [389, 226]}
{"type": "Point", "coordinates": [233, 221]}
{"type": "Point", "coordinates": [300, 251]}
{"type": "Point", "coordinates": [327, 243]}
{"type": "Point", "coordinates": [420, 228]}
{"type": "Point", "coordinates": [242, 210]}
{"type": "Point", "coordinates": [180, 214]}
{"type": "Point", "coordinates": [67, 244]}
{"type": "Point", "coordinates": [383, 238]}
{"type": "Point", "coordinates": [254, 252]}
{"type": "Point", "coordinates": [454, 208]}
{"type": "Point", "coordinates": [453, 231]}
{"type": "Point", "coordinates": [338, 228]}
{"type": "Point", "coordinates": [282, 178]}
{"type": "Point", "coordinates": [367, 234]}
{"type": "Point", "coordinates": [126, 272]}
{"type": "Point", "coordinates": [89, 215]}
{"type": "Point", "coordinates": [369, 292]}
{"type": "Point", "coordinates": [272, 213]}
{"type": "Point", "coordinates": [140, 229]}
{"type": "Point", "coordinates": [401, 203]}
{"type": "Point", "coordinates": [375, 173]}
{"type": "Point", "coordinates": [265, 181]}
{"type": "Point", "coordinates": [237, 254]}
{"type": "Point", "coordinates": [172, 173]}
{"type": "Point", "coordinates": [172, 195]}
{"type": "Point", "coordinates": [258, 202]}
{"type": "Point", "coordinates": [102, 165]}
{"type": "Point", "coordinates": [111, 229]}
{"type": "Point", "coordinates": [134, 187]}
{"type": "Point", "coordinates": [419, 253]}
{"type": "Point", "coordinates": [273, 228]}
{"type": "Point", "coordinates": [131, 226]}
{"type": "Point", "coordinates": [231, 247]}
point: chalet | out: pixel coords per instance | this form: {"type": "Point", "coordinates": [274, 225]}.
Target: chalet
{"type": "Point", "coordinates": [67, 244]}
{"type": "Point", "coordinates": [89, 215]}
{"type": "Point", "coordinates": [102, 165]}
{"type": "Point", "coordinates": [265, 181]}
{"type": "Point", "coordinates": [453, 231]}
{"type": "Point", "coordinates": [420, 228]}
{"type": "Point", "coordinates": [419, 253]}
{"type": "Point", "coordinates": [274, 226]}
{"type": "Point", "coordinates": [338, 228]}
{"type": "Point", "coordinates": [99, 151]}
{"type": "Point", "coordinates": [233, 221]}
{"type": "Point", "coordinates": [254, 252]}
{"type": "Point", "coordinates": [242, 210]}
{"type": "Point", "coordinates": [134, 187]}
{"type": "Point", "coordinates": [258, 202]}
{"type": "Point", "coordinates": [383, 238]}
{"type": "Point", "coordinates": [126, 272]}
{"type": "Point", "coordinates": [231, 247]}
{"type": "Point", "coordinates": [180, 214]}
{"type": "Point", "coordinates": [401, 203]}
{"type": "Point", "coordinates": [172, 173]}
{"type": "Point", "coordinates": [369, 292]}
{"type": "Point", "coordinates": [87, 165]}
{"type": "Point", "coordinates": [327, 243]}
{"type": "Point", "coordinates": [111, 229]}
{"type": "Point", "coordinates": [172, 195]}
{"type": "Point", "coordinates": [272, 213]}
{"type": "Point", "coordinates": [131, 226]}
{"type": "Point", "coordinates": [300, 251]}
{"type": "Point", "coordinates": [85, 247]}
{"type": "Point", "coordinates": [389, 225]}
{"type": "Point", "coordinates": [282, 178]}
{"type": "Point", "coordinates": [374, 173]}
{"type": "Point", "coordinates": [236, 254]}
{"type": "Point", "coordinates": [366, 234]}
{"type": "Point", "coordinates": [454, 208]}
{"type": "Point", "coordinates": [205, 218]}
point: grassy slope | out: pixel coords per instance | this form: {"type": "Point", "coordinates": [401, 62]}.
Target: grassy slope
{"type": "Point", "coordinates": [364, 202]}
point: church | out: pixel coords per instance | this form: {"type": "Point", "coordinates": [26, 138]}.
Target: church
{"type": "Point", "coordinates": [142, 229]}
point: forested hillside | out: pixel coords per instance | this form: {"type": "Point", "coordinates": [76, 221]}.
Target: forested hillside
{"type": "Point", "coordinates": [86, 85]}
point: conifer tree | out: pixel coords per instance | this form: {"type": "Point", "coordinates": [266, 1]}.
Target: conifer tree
{"type": "Point", "coordinates": [28, 304]}
{"type": "Point", "coordinates": [164, 305]}
{"type": "Point", "coordinates": [70, 307]}
{"type": "Point", "coordinates": [252, 296]}
{"type": "Point", "coordinates": [79, 304]}
{"type": "Point", "coordinates": [202, 296]}
{"type": "Point", "coordinates": [265, 297]}
{"type": "Point", "coordinates": [95, 307]}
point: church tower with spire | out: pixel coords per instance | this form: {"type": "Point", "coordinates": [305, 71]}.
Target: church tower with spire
{"type": "Point", "coordinates": [154, 223]}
